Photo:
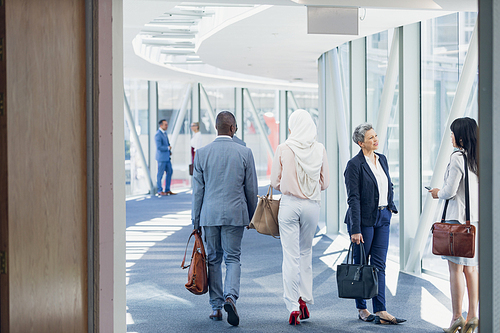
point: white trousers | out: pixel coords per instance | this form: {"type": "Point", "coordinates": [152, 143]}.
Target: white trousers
{"type": "Point", "coordinates": [298, 219]}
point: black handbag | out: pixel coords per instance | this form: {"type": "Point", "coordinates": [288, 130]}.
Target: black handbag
{"type": "Point", "coordinates": [357, 280]}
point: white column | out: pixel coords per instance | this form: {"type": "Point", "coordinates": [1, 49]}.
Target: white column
{"type": "Point", "coordinates": [180, 117]}
{"type": "Point", "coordinates": [206, 100]}
{"type": "Point", "coordinates": [387, 97]}
{"type": "Point", "coordinates": [327, 122]}
{"type": "Point", "coordinates": [409, 128]}
{"type": "Point", "coordinates": [358, 88]}
{"type": "Point", "coordinates": [238, 112]}
{"type": "Point", "coordinates": [195, 103]}
{"type": "Point", "coordinates": [458, 107]}
{"type": "Point", "coordinates": [153, 125]}
{"type": "Point", "coordinates": [283, 114]}
{"type": "Point", "coordinates": [338, 99]}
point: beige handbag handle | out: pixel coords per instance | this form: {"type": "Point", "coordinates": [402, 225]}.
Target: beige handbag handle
{"type": "Point", "coordinates": [268, 204]}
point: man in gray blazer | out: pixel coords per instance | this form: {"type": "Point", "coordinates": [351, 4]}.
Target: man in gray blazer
{"type": "Point", "coordinates": [224, 201]}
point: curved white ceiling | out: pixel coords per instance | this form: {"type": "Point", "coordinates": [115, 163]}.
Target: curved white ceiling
{"type": "Point", "coordinates": [270, 44]}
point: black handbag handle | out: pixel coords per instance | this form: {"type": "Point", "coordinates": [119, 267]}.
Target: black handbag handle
{"type": "Point", "coordinates": [467, 200]}
{"type": "Point", "coordinates": [364, 260]}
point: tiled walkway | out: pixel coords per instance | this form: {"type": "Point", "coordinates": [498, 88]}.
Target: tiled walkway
{"type": "Point", "coordinates": [157, 231]}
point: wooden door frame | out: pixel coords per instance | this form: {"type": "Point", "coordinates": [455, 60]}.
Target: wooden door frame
{"type": "Point", "coordinates": [4, 231]}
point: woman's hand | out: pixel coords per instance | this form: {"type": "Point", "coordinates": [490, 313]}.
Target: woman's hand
{"type": "Point", "coordinates": [434, 193]}
{"type": "Point", "coordinates": [356, 238]}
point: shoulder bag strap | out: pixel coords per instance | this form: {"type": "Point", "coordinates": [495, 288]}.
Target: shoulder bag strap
{"type": "Point", "coordinates": [443, 218]}
{"type": "Point", "coordinates": [467, 200]}
{"type": "Point", "coordinates": [184, 260]}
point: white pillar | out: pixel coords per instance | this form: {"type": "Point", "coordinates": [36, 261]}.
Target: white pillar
{"type": "Point", "coordinates": [153, 125]}
{"type": "Point", "coordinates": [458, 107]}
{"type": "Point", "coordinates": [180, 117]}
{"type": "Point", "coordinates": [387, 97]}
{"type": "Point", "coordinates": [204, 96]}
{"type": "Point", "coordinates": [409, 128]}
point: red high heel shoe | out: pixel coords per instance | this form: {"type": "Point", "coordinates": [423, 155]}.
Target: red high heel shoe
{"type": "Point", "coordinates": [294, 318]}
{"type": "Point", "coordinates": [304, 311]}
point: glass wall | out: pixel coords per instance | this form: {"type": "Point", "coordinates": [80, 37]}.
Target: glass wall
{"type": "Point", "coordinates": [378, 48]}
{"type": "Point", "coordinates": [445, 41]}
{"type": "Point", "coordinates": [136, 178]}
{"type": "Point", "coordinates": [171, 98]}
{"type": "Point", "coordinates": [264, 102]}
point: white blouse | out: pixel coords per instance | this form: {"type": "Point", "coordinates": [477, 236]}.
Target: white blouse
{"type": "Point", "coordinates": [382, 180]}
{"type": "Point", "coordinates": [197, 141]}
{"type": "Point", "coordinates": [454, 189]}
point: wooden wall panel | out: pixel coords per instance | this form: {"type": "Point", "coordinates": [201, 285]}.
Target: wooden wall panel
{"type": "Point", "coordinates": [47, 165]}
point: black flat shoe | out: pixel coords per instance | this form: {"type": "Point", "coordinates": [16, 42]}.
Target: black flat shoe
{"type": "Point", "coordinates": [393, 321]}
{"type": "Point", "coordinates": [371, 317]}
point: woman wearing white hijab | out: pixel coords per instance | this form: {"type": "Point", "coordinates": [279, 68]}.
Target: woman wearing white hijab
{"type": "Point", "coordinates": [300, 172]}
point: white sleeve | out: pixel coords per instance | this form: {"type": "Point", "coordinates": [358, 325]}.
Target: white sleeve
{"type": "Point", "coordinates": [455, 172]}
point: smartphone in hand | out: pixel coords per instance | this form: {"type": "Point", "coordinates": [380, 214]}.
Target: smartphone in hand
{"type": "Point", "coordinates": [428, 188]}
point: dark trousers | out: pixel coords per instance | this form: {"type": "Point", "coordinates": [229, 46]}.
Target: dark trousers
{"type": "Point", "coordinates": [376, 240]}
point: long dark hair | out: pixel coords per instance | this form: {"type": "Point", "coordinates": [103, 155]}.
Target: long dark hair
{"type": "Point", "coordinates": [465, 132]}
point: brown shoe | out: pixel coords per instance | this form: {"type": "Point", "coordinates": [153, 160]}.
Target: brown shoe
{"type": "Point", "coordinates": [170, 193]}
{"type": "Point", "coordinates": [216, 315]}
{"type": "Point", "coordinates": [232, 314]}
{"type": "Point", "coordinates": [162, 193]}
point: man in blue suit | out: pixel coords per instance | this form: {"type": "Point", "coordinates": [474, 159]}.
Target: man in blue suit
{"type": "Point", "coordinates": [163, 157]}
{"type": "Point", "coordinates": [224, 201]}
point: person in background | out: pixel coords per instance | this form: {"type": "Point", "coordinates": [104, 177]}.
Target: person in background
{"type": "Point", "coordinates": [224, 201]}
{"type": "Point", "coordinates": [464, 140]}
{"type": "Point", "coordinates": [163, 152]}
{"type": "Point", "coordinates": [370, 199]}
{"type": "Point", "coordinates": [196, 140]}
{"type": "Point", "coordinates": [300, 172]}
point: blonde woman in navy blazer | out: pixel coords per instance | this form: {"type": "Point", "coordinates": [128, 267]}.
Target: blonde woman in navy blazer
{"type": "Point", "coordinates": [370, 199]}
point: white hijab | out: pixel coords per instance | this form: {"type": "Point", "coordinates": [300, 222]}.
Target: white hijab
{"type": "Point", "coordinates": [308, 152]}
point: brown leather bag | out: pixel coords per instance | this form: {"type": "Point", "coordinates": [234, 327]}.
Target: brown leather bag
{"type": "Point", "coordinates": [265, 218]}
{"type": "Point", "coordinates": [197, 274]}
{"type": "Point", "coordinates": [457, 240]}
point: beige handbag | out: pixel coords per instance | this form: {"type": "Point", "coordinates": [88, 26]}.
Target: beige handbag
{"type": "Point", "coordinates": [265, 218]}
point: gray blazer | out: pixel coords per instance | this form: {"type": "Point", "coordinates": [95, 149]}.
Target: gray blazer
{"type": "Point", "coordinates": [224, 184]}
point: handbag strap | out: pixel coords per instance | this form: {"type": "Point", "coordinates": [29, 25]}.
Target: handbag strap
{"type": "Point", "coordinates": [184, 260]}
{"type": "Point", "coordinates": [364, 260]}
{"type": "Point", "coordinates": [467, 199]}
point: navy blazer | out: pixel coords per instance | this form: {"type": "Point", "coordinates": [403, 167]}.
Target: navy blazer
{"type": "Point", "coordinates": [162, 150]}
{"type": "Point", "coordinates": [362, 192]}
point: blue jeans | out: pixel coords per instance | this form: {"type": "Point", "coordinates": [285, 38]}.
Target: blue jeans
{"type": "Point", "coordinates": [376, 240]}
{"type": "Point", "coordinates": [223, 242]}
{"type": "Point", "coordinates": [164, 166]}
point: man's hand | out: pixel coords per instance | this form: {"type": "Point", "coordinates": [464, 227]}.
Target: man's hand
{"type": "Point", "coordinates": [357, 238]}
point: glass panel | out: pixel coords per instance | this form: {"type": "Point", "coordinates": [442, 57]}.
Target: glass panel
{"type": "Point", "coordinates": [445, 42]}
{"type": "Point", "coordinates": [170, 99]}
{"type": "Point", "coordinates": [377, 57]}
{"type": "Point", "coordinates": [305, 100]}
{"type": "Point", "coordinates": [264, 102]}
{"type": "Point", "coordinates": [136, 181]}
{"type": "Point", "coordinates": [344, 63]}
